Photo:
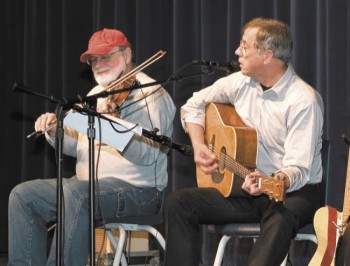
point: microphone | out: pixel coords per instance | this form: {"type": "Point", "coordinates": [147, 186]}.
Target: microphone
{"type": "Point", "coordinates": [232, 66]}
{"type": "Point", "coordinates": [166, 141]}
{"type": "Point", "coordinates": [183, 148]}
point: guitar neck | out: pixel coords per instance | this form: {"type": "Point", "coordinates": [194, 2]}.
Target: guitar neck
{"type": "Point", "coordinates": [346, 204]}
{"type": "Point", "coordinates": [237, 168]}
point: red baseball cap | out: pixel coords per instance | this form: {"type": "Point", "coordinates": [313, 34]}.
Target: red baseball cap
{"type": "Point", "coordinates": [101, 42]}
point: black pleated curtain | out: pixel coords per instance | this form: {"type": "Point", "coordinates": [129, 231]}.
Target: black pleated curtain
{"type": "Point", "coordinates": [41, 42]}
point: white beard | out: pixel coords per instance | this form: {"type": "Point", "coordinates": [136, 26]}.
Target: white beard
{"type": "Point", "coordinates": [105, 79]}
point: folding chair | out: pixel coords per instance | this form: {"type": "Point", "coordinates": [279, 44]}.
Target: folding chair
{"type": "Point", "coordinates": [252, 230]}
{"type": "Point", "coordinates": [135, 223]}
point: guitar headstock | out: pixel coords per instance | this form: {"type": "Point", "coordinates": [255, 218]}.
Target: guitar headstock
{"type": "Point", "coordinates": [272, 187]}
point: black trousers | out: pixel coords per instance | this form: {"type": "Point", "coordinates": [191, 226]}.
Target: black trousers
{"type": "Point", "coordinates": [343, 248]}
{"type": "Point", "coordinates": [186, 209]}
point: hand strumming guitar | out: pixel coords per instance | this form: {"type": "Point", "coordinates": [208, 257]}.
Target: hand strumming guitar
{"type": "Point", "coordinates": [203, 157]}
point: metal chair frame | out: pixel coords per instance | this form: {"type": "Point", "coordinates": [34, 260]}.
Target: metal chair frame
{"type": "Point", "coordinates": [136, 223]}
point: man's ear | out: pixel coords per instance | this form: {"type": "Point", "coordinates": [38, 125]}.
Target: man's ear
{"type": "Point", "coordinates": [127, 55]}
{"type": "Point", "coordinates": [268, 56]}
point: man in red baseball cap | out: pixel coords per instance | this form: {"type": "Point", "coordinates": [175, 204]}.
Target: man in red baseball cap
{"type": "Point", "coordinates": [129, 182]}
{"type": "Point", "coordinates": [110, 57]}
{"type": "Point", "coordinates": [103, 41]}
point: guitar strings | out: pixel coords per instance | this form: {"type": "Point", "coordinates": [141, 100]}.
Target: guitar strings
{"type": "Point", "coordinates": [242, 171]}
{"type": "Point", "coordinates": [232, 163]}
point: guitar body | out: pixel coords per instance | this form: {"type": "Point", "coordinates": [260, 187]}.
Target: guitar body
{"type": "Point", "coordinates": [232, 137]}
{"type": "Point", "coordinates": [330, 226]}
{"type": "Point", "coordinates": [326, 220]}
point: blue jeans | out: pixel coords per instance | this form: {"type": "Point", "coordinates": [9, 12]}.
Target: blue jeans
{"type": "Point", "coordinates": [32, 206]}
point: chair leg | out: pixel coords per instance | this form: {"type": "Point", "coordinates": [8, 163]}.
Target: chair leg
{"type": "Point", "coordinates": [118, 245]}
{"type": "Point", "coordinates": [221, 250]}
{"type": "Point", "coordinates": [153, 232]}
{"type": "Point", "coordinates": [284, 262]}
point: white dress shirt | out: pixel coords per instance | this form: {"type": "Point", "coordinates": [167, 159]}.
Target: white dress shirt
{"type": "Point", "coordinates": [288, 118]}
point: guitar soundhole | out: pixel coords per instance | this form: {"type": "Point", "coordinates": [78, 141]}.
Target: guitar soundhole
{"type": "Point", "coordinates": [218, 177]}
{"type": "Point", "coordinates": [222, 159]}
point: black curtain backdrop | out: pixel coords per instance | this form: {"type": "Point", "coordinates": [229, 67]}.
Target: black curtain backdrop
{"type": "Point", "coordinates": [41, 41]}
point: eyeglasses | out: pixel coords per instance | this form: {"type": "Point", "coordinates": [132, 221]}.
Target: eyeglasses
{"type": "Point", "coordinates": [242, 48]}
{"type": "Point", "coordinates": [102, 58]}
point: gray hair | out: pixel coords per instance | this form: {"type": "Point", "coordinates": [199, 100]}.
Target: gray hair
{"type": "Point", "coordinates": [273, 35]}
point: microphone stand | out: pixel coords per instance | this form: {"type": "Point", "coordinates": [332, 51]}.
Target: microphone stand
{"type": "Point", "coordinates": [90, 101]}
{"type": "Point", "coordinates": [59, 147]}
{"type": "Point", "coordinates": [60, 217]}
{"type": "Point", "coordinates": [61, 107]}
{"type": "Point", "coordinates": [91, 136]}
{"type": "Point", "coordinates": [59, 200]}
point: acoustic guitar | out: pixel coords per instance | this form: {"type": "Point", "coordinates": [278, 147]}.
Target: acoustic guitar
{"type": "Point", "coordinates": [329, 226]}
{"type": "Point", "coordinates": [235, 146]}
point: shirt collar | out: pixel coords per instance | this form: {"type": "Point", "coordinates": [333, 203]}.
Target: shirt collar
{"type": "Point", "coordinates": [281, 83]}
{"type": "Point", "coordinates": [284, 80]}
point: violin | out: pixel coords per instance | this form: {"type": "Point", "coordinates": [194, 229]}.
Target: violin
{"type": "Point", "coordinates": [115, 100]}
